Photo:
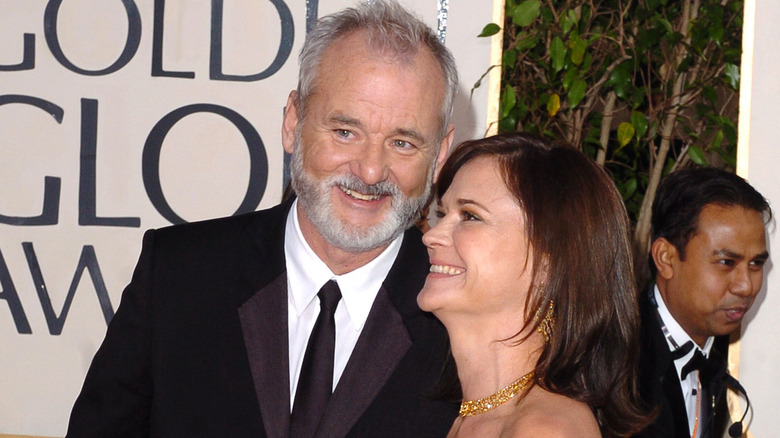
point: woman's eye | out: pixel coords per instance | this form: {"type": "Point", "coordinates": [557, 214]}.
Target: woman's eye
{"type": "Point", "coordinates": [468, 216]}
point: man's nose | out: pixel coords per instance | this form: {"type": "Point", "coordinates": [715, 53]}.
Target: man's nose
{"type": "Point", "coordinates": [371, 164]}
{"type": "Point", "coordinates": [743, 283]}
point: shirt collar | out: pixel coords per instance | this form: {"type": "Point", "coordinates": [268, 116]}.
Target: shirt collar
{"type": "Point", "coordinates": [676, 331]}
{"type": "Point", "coordinates": [307, 273]}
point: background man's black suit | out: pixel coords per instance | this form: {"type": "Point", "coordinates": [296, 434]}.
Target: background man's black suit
{"type": "Point", "coordinates": [200, 342]}
{"type": "Point", "coordinates": [659, 382]}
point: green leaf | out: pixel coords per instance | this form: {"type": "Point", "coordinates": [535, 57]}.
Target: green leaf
{"type": "Point", "coordinates": [572, 16]}
{"type": "Point", "coordinates": [586, 62]}
{"type": "Point", "coordinates": [577, 92]}
{"type": "Point", "coordinates": [489, 30]}
{"type": "Point", "coordinates": [568, 79]}
{"type": "Point", "coordinates": [511, 6]}
{"type": "Point", "coordinates": [553, 105]}
{"type": "Point", "coordinates": [716, 34]}
{"type": "Point", "coordinates": [547, 16]}
{"type": "Point", "coordinates": [510, 58]}
{"type": "Point", "coordinates": [730, 131]}
{"type": "Point", "coordinates": [526, 12]}
{"type": "Point", "coordinates": [507, 124]}
{"type": "Point", "coordinates": [686, 64]}
{"type": "Point", "coordinates": [647, 38]}
{"type": "Point", "coordinates": [526, 40]}
{"type": "Point", "coordinates": [639, 122]}
{"type": "Point", "coordinates": [508, 101]}
{"type": "Point", "coordinates": [620, 81]}
{"type": "Point", "coordinates": [665, 23]}
{"type": "Point", "coordinates": [557, 54]}
{"type": "Point", "coordinates": [718, 140]}
{"type": "Point", "coordinates": [578, 46]}
{"type": "Point", "coordinates": [729, 158]}
{"type": "Point", "coordinates": [732, 76]}
{"type": "Point", "coordinates": [630, 188]}
{"type": "Point", "coordinates": [697, 156]}
{"type": "Point", "coordinates": [710, 94]}
{"type": "Point", "coordinates": [568, 21]}
{"type": "Point", "coordinates": [625, 133]}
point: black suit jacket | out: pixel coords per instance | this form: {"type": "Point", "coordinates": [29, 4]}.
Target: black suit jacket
{"type": "Point", "coordinates": [198, 346]}
{"type": "Point", "coordinates": [659, 383]}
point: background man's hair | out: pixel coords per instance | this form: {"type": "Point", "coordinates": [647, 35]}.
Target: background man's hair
{"type": "Point", "coordinates": [683, 194]}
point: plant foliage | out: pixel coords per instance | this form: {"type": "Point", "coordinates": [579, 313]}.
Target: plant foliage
{"type": "Point", "coordinates": [641, 86]}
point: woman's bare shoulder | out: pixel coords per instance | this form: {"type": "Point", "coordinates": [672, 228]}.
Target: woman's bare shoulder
{"type": "Point", "coordinates": [546, 414]}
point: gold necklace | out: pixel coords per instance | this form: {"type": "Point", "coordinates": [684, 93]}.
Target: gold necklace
{"type": "Point", "coordinates": [482, 405]}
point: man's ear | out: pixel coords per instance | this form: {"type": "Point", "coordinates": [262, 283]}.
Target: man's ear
{"type": "Point", "coordinates": [664, 254]}
{"type": "Point", "coordinates": [444, 150]}
{"type": "Point", "coordinates": [289, 123]}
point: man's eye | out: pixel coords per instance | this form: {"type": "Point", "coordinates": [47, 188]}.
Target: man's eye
{"type": "Point", "coordinates": [758, 263]}
{"type": "Point", "coordinates": [726, 262]}
{"type": "Point", "coordinates": [343, 133]}
{"type": "Point", "coordinates": [402, 144]}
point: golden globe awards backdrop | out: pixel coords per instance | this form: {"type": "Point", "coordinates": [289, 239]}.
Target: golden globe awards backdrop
{"type": "Point", "coordinates": [117, 116]}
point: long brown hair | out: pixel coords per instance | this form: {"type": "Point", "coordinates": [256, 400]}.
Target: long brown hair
{"type": "Point", "coordinates": [579, 231]}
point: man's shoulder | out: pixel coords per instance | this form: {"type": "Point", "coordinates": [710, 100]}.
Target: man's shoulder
{"type": "Point", "coordinates": [650, 327]}
{"type": "Point", "coordinates": [272, 218]}
{"type": "Point", "coordinates": [411, 263]}
{"type": "Point", "coordinates": [655, 357]}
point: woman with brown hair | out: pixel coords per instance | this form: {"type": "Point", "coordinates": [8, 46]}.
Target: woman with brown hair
{"type": "Point", "coordinates": [531, 275]}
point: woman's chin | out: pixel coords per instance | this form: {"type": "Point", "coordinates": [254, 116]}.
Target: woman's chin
{"type": "Point", "coordinates": [424, 299]}
{"type": "Point", "coordinates": [434, 299]}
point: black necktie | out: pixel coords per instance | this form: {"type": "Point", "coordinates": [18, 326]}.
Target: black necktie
{"type": "Point", "coordinates": [315, 384]}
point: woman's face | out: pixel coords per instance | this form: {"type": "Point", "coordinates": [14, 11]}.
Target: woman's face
{"type": "Point", "coordinates": [481, 262]}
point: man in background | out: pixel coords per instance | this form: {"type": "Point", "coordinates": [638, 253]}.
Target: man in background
{"type": "Point", "coordinates": [300, 320]}
{"type": "Point", "coordinates": [708, 252]}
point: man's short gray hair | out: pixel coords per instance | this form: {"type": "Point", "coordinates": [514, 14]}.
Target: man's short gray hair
{"type": "Point", "coordinates": [391, 30]}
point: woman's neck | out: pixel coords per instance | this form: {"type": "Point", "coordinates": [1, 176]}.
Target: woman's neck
{"type": "Point", "coordinates": [486, 363]}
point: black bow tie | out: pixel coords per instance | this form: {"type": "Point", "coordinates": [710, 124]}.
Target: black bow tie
{"type": "Point", "coordinates": [707, 367]}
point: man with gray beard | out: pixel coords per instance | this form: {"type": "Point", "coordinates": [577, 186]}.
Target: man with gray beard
{"type": "Point", "coordinates": [301, 320]}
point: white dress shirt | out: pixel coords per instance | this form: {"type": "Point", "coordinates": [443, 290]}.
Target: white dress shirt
{"type": "Point", "coordinates": [690, 385]}
{"type": "Point", "coordinates": [306, 274]}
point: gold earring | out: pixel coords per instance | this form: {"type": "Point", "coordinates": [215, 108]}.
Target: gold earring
{"type": "Point", "coordinates": [547, 323]}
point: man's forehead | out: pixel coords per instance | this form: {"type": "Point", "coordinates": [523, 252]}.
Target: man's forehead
{"type": "Point", "coordinates": [730, 253]}
{"type": "Point", "coordinates": [734, 230]}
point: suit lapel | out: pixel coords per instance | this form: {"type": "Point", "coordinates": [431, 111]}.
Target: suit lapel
{"type": "Point", "coordinates": [381, 346]}
{"type": "Point", "coordinates": [263, 318]}
{"type": "Point", "coordinates": [659, 363]}
{"type": "Point", "coordinates": [673, 392]}
{"type": "Point", "coordinates": [264, 325]}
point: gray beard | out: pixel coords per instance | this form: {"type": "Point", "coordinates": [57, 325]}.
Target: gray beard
{"type": "Point", "coordinates": [314, 199]}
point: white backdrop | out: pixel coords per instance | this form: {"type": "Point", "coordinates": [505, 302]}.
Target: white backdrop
{"type": "Point", "coordinates": [118, 116]}
{"type": "Point", "coordinates": [759, 161]}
